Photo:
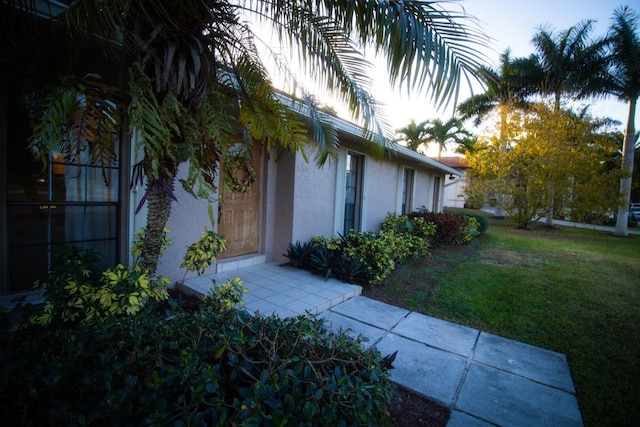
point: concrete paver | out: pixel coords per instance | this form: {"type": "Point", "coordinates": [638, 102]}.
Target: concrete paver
{"type": "Point", "coordinates": [460, 419]}
{"type": "Point", "coordinates": [354, 328]}
{"type": "Point", "coordinates": [438, 333]}
{"type": "Point", "coordinates": [535, 363]}
{"type": "Point", "coordinates": [426, 370]}
{"type": "Point", "coordinates": [510, 400]}
{"type": "Point", "coordinates": [372, 312]}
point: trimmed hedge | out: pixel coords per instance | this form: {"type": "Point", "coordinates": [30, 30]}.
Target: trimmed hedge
{"type": "Point", "coordinates": [451, 228]}
{"type": "Point", "coordinates": [209, 367]}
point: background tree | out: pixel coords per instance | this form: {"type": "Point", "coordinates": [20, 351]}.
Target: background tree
{"type": "Point", "coordinates": [553, 153]}
{"type": "Point", "coordinates": [195, 77]}
{"type": "Point", "coordinates": [624, 83]}
{"type": "Point", "coordinates": [445, 133]}
{"type": "Point", "coordinates": [507, 86]}
{"type": "Point", "coordinates": [570, 64]}
{"type": "Point", "coordinates": [413, 135]}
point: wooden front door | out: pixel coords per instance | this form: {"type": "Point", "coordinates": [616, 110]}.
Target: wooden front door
{"type": "Point", "coordinates": [239, 213]}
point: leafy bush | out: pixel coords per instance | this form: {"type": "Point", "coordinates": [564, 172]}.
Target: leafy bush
{"type": "Point", "coordinates": [451, 228]}
{"type": "Point", "coordinates": [76, 291]}
{"type": "Point", "coordinates": [469, 230]}
{"type": "Point", "coordinates": [208, 367]}
{"type": "Point", "coordinates": [483, 222]}
{"type": "Point", "coordinates": [364, 258]}
{"type": "Point", "coordinates": [203, 253]}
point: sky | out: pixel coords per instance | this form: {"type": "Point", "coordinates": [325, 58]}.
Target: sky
{"type": "Point", "coordinates": [511, 24]}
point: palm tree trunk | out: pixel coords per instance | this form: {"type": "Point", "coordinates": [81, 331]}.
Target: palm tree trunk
{"type": "Point", "coordinates": [549, 215]}
{"type": "Point", "coordinates": [627, 169]}
{"type": "Point", "coordinates": [158, 211]}
{"type": "Point", "coordinates": [499, 212]}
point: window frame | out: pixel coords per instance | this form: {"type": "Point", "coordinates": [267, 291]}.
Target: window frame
{"type": "Point", "coordinates": [340, 193]}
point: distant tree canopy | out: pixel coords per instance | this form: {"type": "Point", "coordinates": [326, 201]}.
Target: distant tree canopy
{"type": "Point", "coordinates": [548, 157]}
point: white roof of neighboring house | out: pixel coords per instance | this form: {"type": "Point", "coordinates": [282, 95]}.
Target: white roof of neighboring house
{"type": "Point", "coordinates": [392, 148]}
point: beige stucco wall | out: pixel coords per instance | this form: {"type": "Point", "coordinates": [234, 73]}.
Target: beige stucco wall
{"type": "Point", "coordinates": [314, 201]}
{"type": "Point", "coordinates": [423, 191]}
{"type": "Point", "coordinates": [278, 237]}
{"type": "Point", "coordinates": [381, 191]}
{"type": "Point", "coordinates": [453, 192]}
{"type": "Point", "coordinates": [186, 223]}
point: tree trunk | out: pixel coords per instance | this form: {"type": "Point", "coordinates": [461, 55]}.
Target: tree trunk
{"type": "Point", "coordinates": [549, 216]}
{"type": "Point", "coordinates": [627, 168]}
{"type": "Point", "coordinates": [499, 212]}
{"type": "Point", "coordinates": [158, 211]}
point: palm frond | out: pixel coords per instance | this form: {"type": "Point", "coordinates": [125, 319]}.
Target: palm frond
{"type": "Point", "coordinates": [78, 117]}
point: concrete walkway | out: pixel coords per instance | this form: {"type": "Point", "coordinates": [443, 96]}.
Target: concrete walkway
{"type": "Point", "coordinates": [484, 379]}
{"type": "Point", "coordinates": [560, 222]}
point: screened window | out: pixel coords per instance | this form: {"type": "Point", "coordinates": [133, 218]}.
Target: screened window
{"type": "Point", "coordinates": [353, 193]}
{"type": "Point", "coordinates": [436, 194]}
{"type": "Point", "coordinates": [70, 201]}
{"type": "Point", "coordinates": [407, 190]}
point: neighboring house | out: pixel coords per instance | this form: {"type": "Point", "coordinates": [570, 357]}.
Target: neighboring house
{"type": "Point", "coordinates": [291, 200]}
{"type": "Point", "coordinates": [454, 184]}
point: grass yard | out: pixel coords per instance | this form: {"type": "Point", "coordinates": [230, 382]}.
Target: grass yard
{"type": "Point", "coordinates": [575, 291]}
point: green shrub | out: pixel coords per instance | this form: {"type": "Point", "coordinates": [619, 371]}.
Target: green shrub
{"type": "Point", "coordinates": [451, 228]}
{"type": "Point", "coordinates": [203, 253]}
{"type": "Point", "coordinates": [483, 221]}
{"type": "Point", "coordinates": [469, 230]}
{"type": "Point", "coordinates": [364, 258]}
{"type": "Point", "coordinates": [75, 290]}
{"type": "Point", "coordinates": [208, 367]}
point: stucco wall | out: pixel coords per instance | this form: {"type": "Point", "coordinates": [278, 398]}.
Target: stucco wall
{"type": "Point", "coordinates": [314, 203]}
{"type": "Point", "coordinates": [423, 190]}
{"type": "Point", "coordinates": [381, 191]}
{"type": "Point", "coordinates": [186, 223]}
{"type": "Point", "coordinates": [278, 239]}
{"type": "Point", "coordinates": [453, 190]}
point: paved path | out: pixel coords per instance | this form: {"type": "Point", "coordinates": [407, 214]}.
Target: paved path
{"type": "Point", "coordinates": [484, 379]}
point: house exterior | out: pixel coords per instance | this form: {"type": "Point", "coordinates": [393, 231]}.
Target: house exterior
{"type": "Point", "coordinates": [454, 184]}
{"type": "Point", "coordinates": [294, 200]}
{"type": "Point", "coordinates": [78, 203]}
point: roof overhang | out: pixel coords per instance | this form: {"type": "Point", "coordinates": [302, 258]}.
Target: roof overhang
{"type": "Point", "coordinates": [359, 135]}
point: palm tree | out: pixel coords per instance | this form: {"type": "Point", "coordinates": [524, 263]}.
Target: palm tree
{"type": "Point", "coordinates": [624, 83]}
{"type": "Point", "coordinates": [570, 63]}
{"type": "Point", "coordinates": [507, 86]}
{"type": "Point", "coordinates": [413, 134]}
{"type": "Point", "coordinates": [195, 76]}
{"type": "Point", "coordinates": [443, 133]}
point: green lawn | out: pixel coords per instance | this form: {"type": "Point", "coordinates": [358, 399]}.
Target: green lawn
{"type": "Point", "coordinates": [571, 290]}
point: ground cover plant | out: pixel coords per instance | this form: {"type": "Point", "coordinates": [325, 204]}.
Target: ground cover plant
{"type": "Point", "coordinates": [174, 364]}
{"type": "Point", "coordinates": [570, 290]}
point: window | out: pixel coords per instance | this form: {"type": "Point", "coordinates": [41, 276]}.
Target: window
{"type": "Point", "coordinates": [407, 191]}
{"type": "Point", "coordinates": [353, 193]}
{"type": "Point", "coordinates": [436, 194]}
{"type": "Point", "coordinates": [69, 202]}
